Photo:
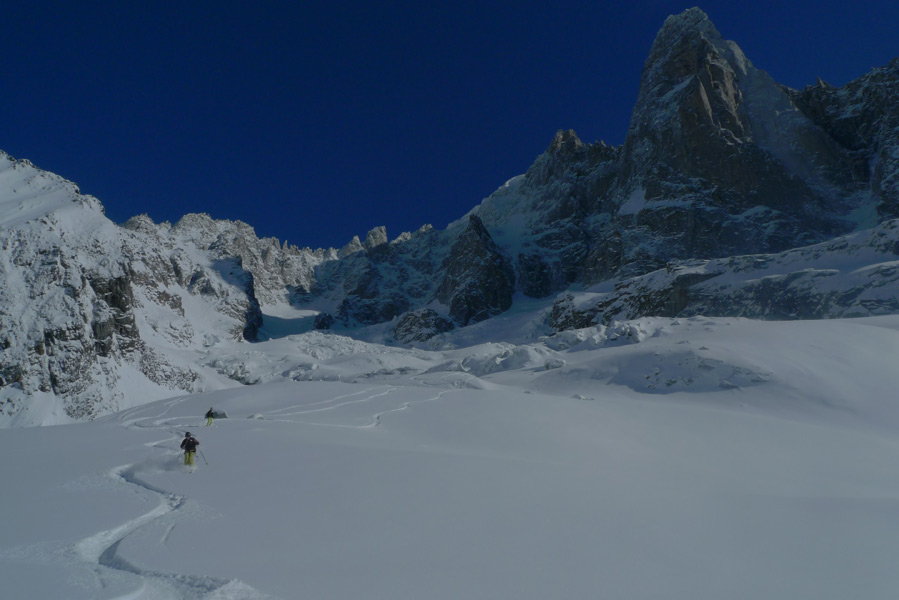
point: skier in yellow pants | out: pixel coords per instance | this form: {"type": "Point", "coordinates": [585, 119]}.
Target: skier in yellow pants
{"type": "Point", "coordinates": [209, 415]}
{"type": "Point", "coordinates": [189, 445]}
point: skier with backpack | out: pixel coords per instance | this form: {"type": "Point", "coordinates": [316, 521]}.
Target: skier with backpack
{"type": "Point", "coordinates": [189, 445]}
{"type": "Point", "coordinates": [209, 416]}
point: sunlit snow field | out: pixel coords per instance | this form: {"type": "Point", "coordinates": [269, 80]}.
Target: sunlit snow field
{"type": "Point", "coordinates": [678, 459]}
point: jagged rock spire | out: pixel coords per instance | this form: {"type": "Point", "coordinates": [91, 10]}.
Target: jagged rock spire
{"type": "Point", "coordinates": [478, 281]}
{"type": "Point", "coordinates": [707, 119]}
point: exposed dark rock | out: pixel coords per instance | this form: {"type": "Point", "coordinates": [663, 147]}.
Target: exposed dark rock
{"type": "Point", "coordinates": [357, 310]}
{"type": "Point", "coordinates": [713, 138]}
{"type": "Point", "coordinates": [566, 315]}
{"type": "Point", "coordinates": [11, 375]}
{"type": "Point", "coordinates": [856, 279]}
{"type": "Point", "coordinates": [113, 319]}
{"type": "Point", "coordinates": [478, 281]}
{"type": "Point", "coordinates": [420, 325]}
{"type": "Point", "coordinates": [159, 370]}
{"type": "Point", "coordinates": [863, 117]}
{"type": "Point", "coordinates": [535, 277]}
{"type": "Point", "coordinates": [323, 321]}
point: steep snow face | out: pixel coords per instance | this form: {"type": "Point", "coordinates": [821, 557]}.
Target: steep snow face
{"type": "Point", "coordinates": [59, 255]}
{"type": "Point", "coordinates": [27, 194]}
{"type": "Point", "coordinates": [93, 316]}
{"type": "Point", "coordinates": [279, 269]}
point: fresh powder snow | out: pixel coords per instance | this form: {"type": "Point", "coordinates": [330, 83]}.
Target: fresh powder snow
{"type": "Point", "coordinates": [658, 458]}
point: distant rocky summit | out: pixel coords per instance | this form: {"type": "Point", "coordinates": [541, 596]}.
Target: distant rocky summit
{"type": "Point", "coordinates": [719, 160]}
{"type": "Point", "coordinates": [732, 195]}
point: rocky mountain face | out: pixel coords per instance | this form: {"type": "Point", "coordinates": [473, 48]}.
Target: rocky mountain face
{"type": "Point", "coordinates": [856, 275]}
{"type": "Point", "coordinates": [478, 281]}
{"type": "Point", "coordinates": [863, 118]}
{"type": "Point", "coordinates": [731, 195]}
{"type": "Point", "coordinates": [85, 303]}
{"type": "Point", "coordinates": [719, 160]}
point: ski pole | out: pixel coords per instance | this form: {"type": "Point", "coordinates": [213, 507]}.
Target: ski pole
{"type": "Point", "coordinates": [204, 457]}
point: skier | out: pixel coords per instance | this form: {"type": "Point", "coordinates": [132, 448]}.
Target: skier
{"type": "Point", "coordinates": [189, 445]}
{"type": "Point", "coordinates": [209, 415]}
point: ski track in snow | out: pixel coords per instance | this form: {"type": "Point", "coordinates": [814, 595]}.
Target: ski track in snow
{"type": "Point", "coordinates": [101, 549]}
{"type": "Point", "coordinates": [323, 402]}
{"type": "Point", "coordinates": [375, 420]}
{"type": "Point", "coordinates": [283, 412]}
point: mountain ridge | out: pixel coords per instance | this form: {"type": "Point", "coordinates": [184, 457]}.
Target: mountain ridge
{"type": "Point", "coordinates": [720, 165]}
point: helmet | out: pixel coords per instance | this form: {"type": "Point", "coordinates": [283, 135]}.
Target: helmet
{"type": "Point", "coordinates": [187, 434]}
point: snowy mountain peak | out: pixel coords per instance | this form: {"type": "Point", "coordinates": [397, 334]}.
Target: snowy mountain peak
{"type": "Point", "coordinates": [691, 23]}
{"type": "Point", "coordinates": [685, 39]}
{"type": "Point", "coordinates": [720, 164]}
{"type": "Point", "coordinates": [28, 193]}
{"type": "Point", "coordinates": [375, 238]}
{"type": "Point", "coordinates": [566, 142]}
{"type": "Point", "coordinates": [354, 245]}
{"type": "Point", "coordinates": [691, 19]}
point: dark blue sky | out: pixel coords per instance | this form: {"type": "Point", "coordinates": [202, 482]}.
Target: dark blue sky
{"type": "Point", "coordinates": [316, 121]}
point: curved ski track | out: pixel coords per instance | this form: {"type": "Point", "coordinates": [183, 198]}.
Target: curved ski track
{"type": "Point", "coordinates": [101, 549]}
{"type": "Point", "coordinates": [328, 406]}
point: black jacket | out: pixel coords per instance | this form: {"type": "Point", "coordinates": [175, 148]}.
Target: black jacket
{"type": "Point", "coordinates": [189, 444]}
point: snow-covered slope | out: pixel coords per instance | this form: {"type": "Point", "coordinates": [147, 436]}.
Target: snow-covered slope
{"type": "Point", "coordinates": [850, 276]}
{"type": "Point", "coordinates": [720, 164]}
{"type": "Point", "coordinates": [93, 317]}
{"type": "Point", "coordinates": [54, 329]}
{"type": "Point", "coordinates": [684, 459]}
{"type": "Point", "coordinates": [555, 397]}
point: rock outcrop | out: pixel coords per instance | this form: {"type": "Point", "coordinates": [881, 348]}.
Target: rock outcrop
{"type": "Point", "coordinates": [420, 326]}
{"type": "Point", "coordinates": [83, 301]}
{"type": "Point", "coordinates": [727, 197]}
{"type": "Point", "coordinates": [719, 160]}
{"type": "Point", "coordinates": [856, 275]}
{"type": "Point", "coordinates": [478, 281]}
{"type": "Point", "coordinates": [863, 118]}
